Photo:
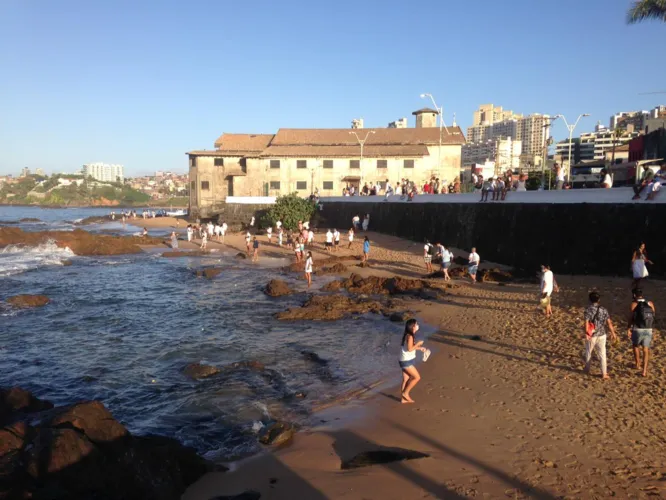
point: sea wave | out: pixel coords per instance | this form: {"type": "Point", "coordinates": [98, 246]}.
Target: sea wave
{"type": "Point", "coordinates": [15, 259]}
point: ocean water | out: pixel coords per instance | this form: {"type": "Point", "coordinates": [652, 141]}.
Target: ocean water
{"type": "Point", "coordinates": [120, 329]}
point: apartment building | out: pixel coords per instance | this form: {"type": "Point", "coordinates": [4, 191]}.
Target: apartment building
{"type": "Point", "coordinates": [104, 172]}
{"type": "Point", "coordinates": [328, 160]}
{"type": "Point", "coordinates": [503, 153]}
{"type": "Point", "coordinates": [636, 120]}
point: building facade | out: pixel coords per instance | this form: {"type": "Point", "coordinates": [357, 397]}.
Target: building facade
{"type": "Point", "coordinates": [325, 160]}
{"type": "Point", "coordinates": [504, 153]}
{"type": "Point", "coordinates": [636, 120]}
{"type": "Point", "coordinates": [104, 172]}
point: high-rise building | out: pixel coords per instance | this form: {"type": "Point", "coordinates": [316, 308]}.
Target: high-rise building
{"type": "Point", "coordinates": [493, 122]}
{"type": "Point", "coordinates": [39, 171]}
{"type": "Point", "coordinates": [25, 172]}
{"type": "Point", "coordinates": [104, 172]}
{"type": "Point", "coordinates": [503, 153]}
{"type": "Point", "coordinates": [636, 120]}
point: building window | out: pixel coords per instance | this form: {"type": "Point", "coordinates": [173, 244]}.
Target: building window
{"type": "Point", "coordinates": [301, 164]}
{"type": "Point", "coordinates": [275, 164]}
{"type": "Point", "coordinates": [301, 185]}
{"type": "Point", "coordinates": [354, 163]}
{"type": "Point", "coordinates": [382, 163]}
{"type": "Point", "coordinates": [328, 163]}
{"type": "Point", "coordinates": [218, 162]}
{"type": "Point", "coordinates": [193, 161]}
{"type": "Point", "coordinates": [205, 186]}
{"type": "Point", "coordinates": [328, 185]}
{"type": "Point", "coordinates": [275, 184]}
{"type": "Point", "coordinates": [408, 164]}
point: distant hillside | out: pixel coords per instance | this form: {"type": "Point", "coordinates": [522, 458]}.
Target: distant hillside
{"type": "Point", "coordinates": [75, 190]}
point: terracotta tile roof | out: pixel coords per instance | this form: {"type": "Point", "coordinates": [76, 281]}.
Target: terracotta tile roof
{"type": "Point", "coordinates": [243, 142]}
{"type": "Point", "coordinates": [381, 136]}
{"type": "Point", "coordinates": [348, 151]}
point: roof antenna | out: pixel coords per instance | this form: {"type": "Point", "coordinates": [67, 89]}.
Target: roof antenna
{"type": "Point", "coordinates": [454, 120]}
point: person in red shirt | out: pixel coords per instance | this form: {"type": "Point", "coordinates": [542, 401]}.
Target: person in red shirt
{"type": "Point", "coordinates": [426, 188]}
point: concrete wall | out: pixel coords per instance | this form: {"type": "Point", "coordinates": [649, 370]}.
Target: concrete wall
{"type": "Point", "coordinates": [575, 238]}
{"type": "Point", "coordinates": [238, 215]}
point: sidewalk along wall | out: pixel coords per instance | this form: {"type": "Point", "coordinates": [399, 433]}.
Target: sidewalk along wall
{"type": "Point", "coordinates": [574, 238]}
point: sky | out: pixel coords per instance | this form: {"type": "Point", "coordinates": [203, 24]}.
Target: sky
{"type": "Point", "coordinates": [141, 83]}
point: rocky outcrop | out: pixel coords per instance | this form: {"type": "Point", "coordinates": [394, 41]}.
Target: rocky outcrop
{"type": "Point", "coordinates": [82, 452]}
{"type": "Point", "coordinates": [331, 308]}
{"type": "Point", "coordinates": [375, 285]}
{"type": "Point", "coordinates": [400, 317]}
{"type": "Point", "coordinates": [78, 241]}
{"type": "Point", "coordinates": [198, 371]}
{"type": "Point", "coordinates": [277, 288]}
{"type": "Point", "coordinates": [27, 301]}
{"type": "Point", "coordinates": [495, 275]}
{"type": "Point", "coordinates": [277, 434]}
{"type": "Point", "coordinates": [337, 268]}
{"type": "Point", "coordinates": [324, 266]}
{"type": "Point", "coordinates": [241, 255]}
{"type": "Point", "coordinates": [208, 272]}
{"type": "Point", "coordinates": [179, 253]}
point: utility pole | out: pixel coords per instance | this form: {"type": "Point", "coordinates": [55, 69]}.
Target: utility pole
{"type": "Point", "coordinates": [547, 141]}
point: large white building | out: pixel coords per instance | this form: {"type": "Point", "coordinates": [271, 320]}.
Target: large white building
{"type": "Point", "coordinates": [104, 172]}
{"type": "Point", "coordinates": [504, 153]}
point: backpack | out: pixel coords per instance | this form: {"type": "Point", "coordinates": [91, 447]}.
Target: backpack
{"type": "Point", "coordinates": [431, 249]}
{"type": "Point", "coordinates": [643, 315]}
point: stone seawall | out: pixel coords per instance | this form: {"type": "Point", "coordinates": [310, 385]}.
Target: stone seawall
{"type": "Point", "coordinates": [238, 215]}
{"type": "Point", "coordinates": [575, 238]}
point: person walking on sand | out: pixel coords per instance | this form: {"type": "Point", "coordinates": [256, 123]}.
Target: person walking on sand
{"type": "Point", "coordinates": [428, 252]}
{"type": "Point", "coordinates": [248, 242]}
{"type": "Point", "coordinates": [255, 249]}
{"type": "Point", "coordinates": [329, 240]}
{"type": "Point", "coordinates": [407, 361]}
{"type": "Point", "coordinates": [336, 239]}
{"type": "Point", "coordinates": [190, 232]}
{"type": "Point", "coordinates": [548, 285]}
{"type": "Point", "coordinates": [308, 268]}
{"type": "Point", "coordinates": [597, 320]}
{"type": "Point", "coordinates": [174, 240]}
{"type": "Point", "coordinates": [278, 225]}
{"type": "Point", "coordinates": [224, 230]}
{"type": "Point", "coordinates": [204, 240]}
{"type": "Point", "coordinates": [351, 237]}
{"type": "Point", "coordinates": [639, 328]}
{"type": "Point", "coordinates": [356, 222]}
{"type": "Point", "coordinates": [639, 270]}
{"type": "Point", "coordinates": [446, 256]}
{"type": "Point", "coordinates": [366, 250]}
{"type": "Point", "coordinates": [280, 236]}
{"type": "Point", "coordinates": [310, 238]}
{"type": "Point", "coordinates": [473, 265]}
{"type": "Point", "coordinates": [269, 234]}
{"type": "Point", "coordinates": [366, 222]}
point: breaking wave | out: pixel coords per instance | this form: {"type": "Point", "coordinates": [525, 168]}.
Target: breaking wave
{"type": "Point", "coordinates": [15, 259]}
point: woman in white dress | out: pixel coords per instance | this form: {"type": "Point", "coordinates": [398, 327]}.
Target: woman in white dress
{"type": "Point", "coordinates": [638, 265]}
{"type": "Point", "coordinates": [521, 185]}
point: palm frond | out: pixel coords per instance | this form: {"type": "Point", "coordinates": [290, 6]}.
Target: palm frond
{"type": "Point", "coordinates": [642, 10]}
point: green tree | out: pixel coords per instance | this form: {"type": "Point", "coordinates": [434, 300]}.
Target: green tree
{"type": "Point", "coordinates": [643, 10]}
{"type": "Point", "coordinates": [289, 209]}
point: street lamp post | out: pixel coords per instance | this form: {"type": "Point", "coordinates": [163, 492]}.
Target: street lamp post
{"type": "Point", "coordinates": [361, 143]}
{"type": "Point", "coordinates": [546, 142]}
{"type": "Point", "coordinates": [571, 131]}
{"type": "Point", "coordinates": [440, 111]}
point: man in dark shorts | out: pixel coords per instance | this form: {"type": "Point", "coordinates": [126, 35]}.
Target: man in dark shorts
{"type": "Point", "coordinates": [255, 251]}
{"type": "Point", "coordinates": [639, 328]}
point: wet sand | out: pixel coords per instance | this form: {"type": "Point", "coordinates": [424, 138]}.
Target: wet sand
{"type": "Point", "coordinates": [503, 409]}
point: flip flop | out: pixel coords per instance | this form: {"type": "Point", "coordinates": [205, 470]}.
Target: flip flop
{"type": "Point", "coordinates": [426, 355]}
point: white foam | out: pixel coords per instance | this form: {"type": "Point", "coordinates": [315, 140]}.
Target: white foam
{"type": "Point", "coordinates": [15, 259]}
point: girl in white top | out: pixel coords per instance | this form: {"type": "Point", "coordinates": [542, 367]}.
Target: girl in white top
{"type": "Point", "coordinates": [269, 233]}
{"type": "Point", "coordinates": [279, 237]}
{"type": "Point", "coordinates": [336, 238]}
{"type": "Point", "coordinates": [407, 360]}
{"type": "Point", "coordinates": [190, 232]}
{"type": "Point", "coordinates": [248, 241]}
{"type": "Point", "coordinates": [210, 228]}
{"type": "Point", "coordinates": [473, 266]}
{"type": "Point", "coordinates": [308, 269]}
{"type": "Point", "coordinates": [310, 237]}
{"type": "Point", "coordinates": [278, 225]}
{"type": "Point", "coordinates": [204, 240]}
{"type": "Point", "coordinates": [223, 230]}
{"type": "Point", "coordinates": [329, 240]}
{"type": "Point", "coordinates": [351, 236]}
{"type": "Point", "coordinates": [218, 231]}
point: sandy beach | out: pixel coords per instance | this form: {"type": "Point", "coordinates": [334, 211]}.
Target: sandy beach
{"type": "Point", "coordinates": [503, 409]}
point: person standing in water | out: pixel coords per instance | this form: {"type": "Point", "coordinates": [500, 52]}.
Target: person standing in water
{"type": "Point", "coordinates": [639, 270]}
{"type": "Point", "coordinates": [255, 249]}
{"type": "Point", "coordinates": [639, 328]}
{"type": "Point", "coordinates": [174, 240]}
{"type": "Point", "coordinates": [248, 242]}
{"type": "Point", "coordinates": [473, 265]}
{"type": "Point", "coordinates": [407, 360]}
{"type": "Point", "coordinates": [366, 250]}
{"type": "Point", "coordinates": [308, 268]}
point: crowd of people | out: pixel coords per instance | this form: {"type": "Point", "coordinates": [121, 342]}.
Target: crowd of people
{"type": "Point", "coordinates": [405, 188]}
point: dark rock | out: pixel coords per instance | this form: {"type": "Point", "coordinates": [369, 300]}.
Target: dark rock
{"type": "Point", "coordinates": [337, 268]}
{"type": "Point", "coordinates": [375, 285]}
{"type": "Point", "coordinates": [197, 371]}
{"type": "Point", "coordinates": [277, 434]}
{"type": "Point", "coordinates": [277, 288]}
{"type": "Point", "coordinates": [246, 495]}
{"type": "Point", "coordinates": [314, 357]}
{"type": "Point", "coordinates": [241, 255]}
{"type": "Point", "coordinates": [179, 253]}
{"type": "Point", "coordinates": [495, 274]}
{"type": "Point", "coordinates": [461, 261]}
{"type": "Point", "coordinates": [13, 440]}
{"type": "Point", "coordinates": [458, 272]}
{"type": "Point", "coordinates": [476, 337]}
{"type": "Point", "coordinates": [378, 457]}
{"type": "Point", "coordinates": [92, 419]}
{"type": "Point", "coordinates": [27, 301]}
{"type": "Point", "coordinates": [429, 294]}
{"type": "Point", "coordinates": [400, 317]}
{"type": "Point", "coordinates": [330, 265]}
{"type": "Point", "coordinates": [253, 365]}
{"type": "Point", "coordinates": [17, 400]}
{"type": "Point", "coordinates": [208, 272]}
{"type": "Point", "coordinates": [300, 395]}
{"type": "Point", "coordinates": [29, 219]}
{"type": "Point", "coordinates": [66, 262]}
{"type": "Point", "coordinates": [330, 308]}
{"type": "Point", "coordinates": [363, 264]}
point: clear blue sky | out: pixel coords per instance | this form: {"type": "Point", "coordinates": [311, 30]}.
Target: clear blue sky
{"type": "Point", "coordinates": [142, 82]}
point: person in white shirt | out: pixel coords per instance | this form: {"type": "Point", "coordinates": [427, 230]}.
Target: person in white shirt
{"type": "Point", "coordinates": [351, 237]}
{"type": "Point", "coordinates": [280, 233]}
{"type": "Point", "coordinates": [447, 259]}
{"type": "Point", "coordinates": [398, 189]}
{"type": "Point", "coordinates": [428, 251]}
{"type": "Point", "coordinates": [308, 269]}
{"type": "Point", "coordinates": [310, 237]}
{"type": "Point", "coordinates": [190, 232]}
{"type": "Point", "coordinates": [248, 242]}
{"type": "Point", "coordinates": [224, 230]}
{"type": "Point", "coordinates": [204, 241]}
{"type": "Point", "coordinates": [336, 238]}
{"type": "Point", "coordinates": [269, 234]}
{"type": "Point", "coordinates": [473, 266]}
{"type": "Point", "coordinates": [548, 285]}
{"type": "Point", "coordinates": [210, 229]}
{"type": "Point", "coordinates": [329, 240]}
{"type": "Point", "coordinates": [366, 222]}
{"type": "Point", "coordinates": [278, 225]}
{"type": "Point", "coordinates": [252, 222]}
{"type": "Point", "coordinates": [607, 181]}
{"type": "Point", "coordinates": [306, 225]}
{"type": "Point", "coordinates": [356, 220]}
